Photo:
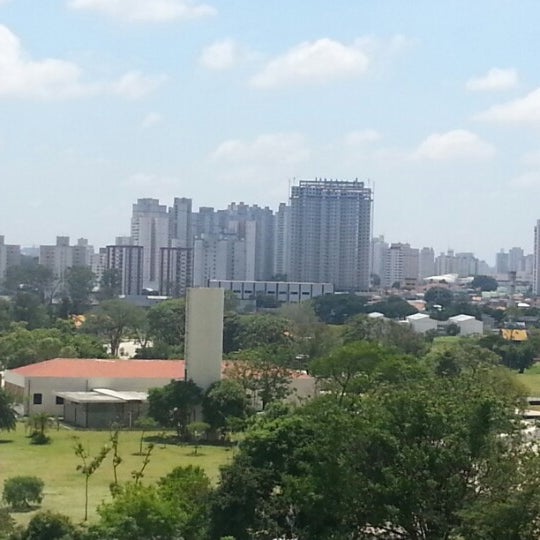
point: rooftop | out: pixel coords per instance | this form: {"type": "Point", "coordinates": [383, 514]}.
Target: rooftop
{"type": "Point", "coordinates": [107, 369]}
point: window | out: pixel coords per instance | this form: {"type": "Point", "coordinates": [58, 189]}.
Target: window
{"type": "Point", "coordinates": [37, 399]}
{"type": "Point", "coordinates": [59, 400]}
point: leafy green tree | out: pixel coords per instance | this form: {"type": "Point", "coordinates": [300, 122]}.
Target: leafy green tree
{"type": "Point", "coordinates": [439, 296]}
{"type": "Point", "coordinates": [5, 315]}
{"type": "Point", "coordinates": [337, 308]}
{"type": "Point", "coordinates": [385, 333]}
{"type": "Point", "coordinates": [412, 457]}
{"type": "Point", "coordinates": [348, 370]}
{"type": "Point", "coordinates": [39, 424]}
{"type": "Point", "coordinates": [20, 491]}
{"type": "Point", "coordinates": [224, 402]}
{"type": "Point", "coordinates": [8, 420]}
{"type": "Point", "coordinates": [167, 321]}
{"type": "Point", "coordinates": [197, 432]}
{"type": "Point", "coordinates": [231, 331]}
{"type": "Point", "coordinates": [484, 283]}
{"type": "Point", "coordinates": [258, 373]}
{"type": "Point", "coordinates": [79, 283]}
{"type": "Point", "coordinates": [114, 320]}
{"type": "Point", "coordinates": [263, 330]}
{"type": "Point", "coordinates": [172, 405]}
{"type": "Point", "coordinates": [110, 284]}
{"type": "Point", "coordinates": [7, 524]}
{"type": "Point", "coordinates": [176, 507]}
{"type": "Point", "coordinates": [30, 277]}
{"type": "Point", "coordinates": [393, 307]}
{"type": "Point", "coordinates": [28, 308]}
{"type": "Point", "coordinates": [50, 526]}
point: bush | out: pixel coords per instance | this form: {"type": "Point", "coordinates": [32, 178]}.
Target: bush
{"type": "Point", "coordinates": [39, 438]}
{"type": "Point", "coordinates": [50, 526]}
{"type": "Point", "coordinates": [20, 491]}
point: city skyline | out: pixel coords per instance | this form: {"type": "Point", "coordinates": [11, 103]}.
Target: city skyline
{"type": "Point", "coordinates": [437, 104]}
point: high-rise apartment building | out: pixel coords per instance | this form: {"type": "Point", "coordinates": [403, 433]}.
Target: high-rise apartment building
{"type": "Point", "coordinates": [175, 271]}
{"type": "Point", "coordinates": [180, 223]}
{"type": "Point", "coordinates": [10, 255]}
{"type": "Point", "coordinates": [426, 263]}
{"type": "Point", "coordinates": [378, 255]}
{"type": "Point", "coordinates": [282, 243]}
{"type": "Point", "coordinates": [400, 266]}
{"type": "Point", "coordinates": [502, 262]}
{"type": "Point", "coordinates": [57, 258]}
{"type": "Point", "coordinates": [331, 233]}
{"type": "Point", "coordinates": [150, 229]}
{"type": "Point", "coordinates": [128, 261]}
{"type": "Point", "coordinates": [536, 266]}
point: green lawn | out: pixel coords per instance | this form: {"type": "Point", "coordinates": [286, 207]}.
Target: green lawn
{"type": "Point", "coordinates": [531, 380]}
{"type": "Point", "coordinates": [56, 465]}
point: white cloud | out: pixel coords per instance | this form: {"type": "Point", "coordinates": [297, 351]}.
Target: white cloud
{"type": "Point", "coordinates": [151, 119]}
{"type": "Point", "coordinates": [135, 85]}
{"type": "Point", "coordinates": [280, 148]}
{"type": "Point", "coordinates": [455, 144]}
{"type": "Point", "coordinates": [51, 78]}
{"type": "Point", "coordinates": [146, 10]}
{"type": "Point", "coordinates": [525, 110]}
{"type": "Point", "coordinates": [362, 137]}
{"type": "Point", "coordinates": [495, 79]}
{"type": "Point", "coordinates": [313, 62]}
{"type": "Point", "coordinates": [222, 55]}
{"type": "Point", "coordinates": [22, 77]}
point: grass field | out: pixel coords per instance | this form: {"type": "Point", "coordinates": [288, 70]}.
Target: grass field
{"type": "Point", "coordinates": [56, 465]}
{"type": "Point", "coordinates": [531, 380]}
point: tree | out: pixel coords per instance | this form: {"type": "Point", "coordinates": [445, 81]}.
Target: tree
{"type": "Point", "coordinates": [386, 333]}
{"type": "Point", "coordinates": [348, 370]}
{"type": "Point", "coordinates": [224, 402]}
{"type": "Point", "coordinates": [263, 330]}
{"type": "Point", "coordinates": [197, 431]}
{"type": "Point", "coordinates": [257, 372]}
{"type": "Point", "coordinates": [412, 457]}
{"type": "Point", "coordinates": [39, 424]}
{"type": "Point", "coordinates": [393, 307]}
{"type": "Point", "coordinates": [172, 405]}
{"type": "Point", "coordinates": [28, 308]}
{"type": "Point", "coordinates": [50, 526]}
{"type": "Point", "coordinates": [79, 282]}
{"type": "Point", "coordinates": [144, 423]}
{"type": "Point", "coordinates": [439, 296]}
{"type": "Point", "coordinates": [114, 320]}
{"type": "Point", "coordinates": [88, 467]}
{"type": "Point", "coordinates": [176, 507]}
{"type": "Point", "coordinates": [8, 419]}
{"type": "Point", "coordinates": [30, 277]}
{"type": "Point", "coordinates": [484, 283]}
{"type": "Point", "coordinates": [167, 321]}
{"type": "Point", "coordinates": [110, 285]}
{"type": "Point", "coordinates": [20, 491]}
{"type": "Point", "coordinates": [337, 308]}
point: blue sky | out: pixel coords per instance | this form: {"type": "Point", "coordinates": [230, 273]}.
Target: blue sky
{"type": "Point", "coordinates": [437, 103]}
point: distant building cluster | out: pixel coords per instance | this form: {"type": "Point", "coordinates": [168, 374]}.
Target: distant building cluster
{"type": "Point", "coordinates": [402, 266]}
{"type": "Point", "coordinates": [321, 239]}
{"type": "Point", "coordinates": [322, 236]}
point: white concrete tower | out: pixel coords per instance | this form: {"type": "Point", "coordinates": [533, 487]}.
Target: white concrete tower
{"type": "Point", "coordinates": [204, 335]}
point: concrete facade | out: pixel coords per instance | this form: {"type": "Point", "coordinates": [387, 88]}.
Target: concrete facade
{"type": "Point", "coordinates": [204, 335]}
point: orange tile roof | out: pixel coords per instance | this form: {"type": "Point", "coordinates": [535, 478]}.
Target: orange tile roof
{"type": "Point", "coordinates": [84, 368]}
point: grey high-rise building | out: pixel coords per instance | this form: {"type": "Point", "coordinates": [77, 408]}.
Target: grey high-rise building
{"type": "Point", "coordinates": [282, 220]}
{"type": "Point", "coordinates": [180, 223]}
{"type": "Point", "coordinates": [10, 255]}
{"type": "Point", "coordinates": [175, 273]}
{"type": "Point", "coordinates": [128, 261]}
{"type": "Point", "coordinates": [150, 229]}
{"type": "Point", "coordinates": [536, 265]}
{"type": "Point", "coordinates": [426, 262]}
{"type": "Point", "coordinates": [331, 233]}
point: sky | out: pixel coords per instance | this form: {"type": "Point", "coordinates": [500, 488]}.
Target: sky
{"type": "Point", "coordinates": [435, 104]}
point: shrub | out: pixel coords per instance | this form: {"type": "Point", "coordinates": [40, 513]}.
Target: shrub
{"type": "Point", "coordinates": [50, 526]}
{"type": "Point", "coordinates": [20, 491]}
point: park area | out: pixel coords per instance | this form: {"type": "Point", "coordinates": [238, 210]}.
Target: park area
{"type": "Point", "coordinates": [56, 464]}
